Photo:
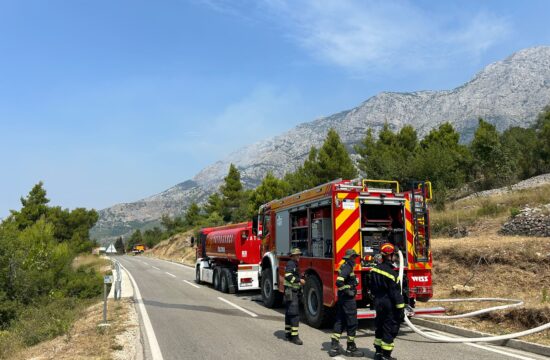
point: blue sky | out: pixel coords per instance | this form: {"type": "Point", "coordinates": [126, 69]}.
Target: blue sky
{"type": "Point", "coordinates": [113, 101]}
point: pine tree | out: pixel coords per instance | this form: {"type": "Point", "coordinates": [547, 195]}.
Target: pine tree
{"type": "Point", "coordinates": [494, 166]}
{"type": "Point", "coordinates": [213, 204]}
{"type": "Point", "coordinates": [390, 156]}
{"type": "Point", "coordinates": [542, 129]}
{"type": "Point", "coordinates": [270, 188]}
{"type": "Point", "coordinates": [192, 215]}
{"type": "Point", "coordinates": [34, 206]}
{"type": "Point", "coordinates": [333, 160]}
{"type": "Point", "coordinates": [119, 245]}
{"type": "Point", "coordinates": [232, 195]}
{"type": "Point", "coordinates": [442, 160]}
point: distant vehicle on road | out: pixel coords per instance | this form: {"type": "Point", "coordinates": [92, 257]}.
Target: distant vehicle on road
{"type": "Point", "coordinates": [138, 249]}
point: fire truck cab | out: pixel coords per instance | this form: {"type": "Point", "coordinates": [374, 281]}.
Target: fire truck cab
{"type": "Point", "coordinates": [329, 219]}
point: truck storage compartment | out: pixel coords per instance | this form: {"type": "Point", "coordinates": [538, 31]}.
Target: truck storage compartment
{"type": "Point", "coordinates": [380, 224]}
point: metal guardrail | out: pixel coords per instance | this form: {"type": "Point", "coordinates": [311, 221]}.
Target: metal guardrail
{"type": "Point", "coordinates": [118, 279]}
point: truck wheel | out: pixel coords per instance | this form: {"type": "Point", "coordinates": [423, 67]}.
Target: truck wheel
{"type": "Point", "coordinates": [313, 302]}
{"type": "Point", "coordinates": [271, 297]}
{"type": "Point", "coordinates": [216, 279]}
{"type": "Point", "coordinates": [198, 275]}
{"type": "Point", "coordinates": [232, 284]}
{"type": "Point", "coordinates": [224, 280]}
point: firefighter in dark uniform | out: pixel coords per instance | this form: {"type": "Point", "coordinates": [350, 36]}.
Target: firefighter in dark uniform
{"type": "Point", "coordinates": [388, 302]}
{"type": "Point", "coordinates": [346, 314]}
{"type": "Point", "coordinates": [293, 282]}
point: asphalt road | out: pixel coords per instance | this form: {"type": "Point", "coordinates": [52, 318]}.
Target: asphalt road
{"type": "Point", "coordinates": [193, 322]}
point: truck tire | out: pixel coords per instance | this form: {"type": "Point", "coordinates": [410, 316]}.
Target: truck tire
{"type": "Point", "coordinates": [224, 280]}
{"type": "Point", "coordinates": [198, 275]}
{"type": "Point", "coordinates": [216, 279]}
{"type": "Point", "coordinates": [315, 311]}
{"type": "Point", "coordinates": [232, 281]}
{"type": "Point", "coordinates": [271, 297]}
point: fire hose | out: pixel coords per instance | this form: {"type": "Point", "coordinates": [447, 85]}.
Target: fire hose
{"type": "Point", "coordinates": [447, 339]}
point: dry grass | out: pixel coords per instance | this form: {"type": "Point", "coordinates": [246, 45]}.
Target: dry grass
{"type": "Point", "coordinates": [496, 266]}
{"type": "Point", "coordinates": [98, 263]}
{"type": "Point", "coordinates": [476, 211]}
{"type": "Point", "coordinates": [88, 341]}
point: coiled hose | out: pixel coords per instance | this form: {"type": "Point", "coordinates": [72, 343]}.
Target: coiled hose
{"type": "Point", "coordinates": [447, 339]}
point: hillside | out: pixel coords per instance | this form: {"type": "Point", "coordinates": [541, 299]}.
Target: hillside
{"type": "Point", "coordinates": [491, 264]}
{"type": "Point", "coordinates": [507, 93]}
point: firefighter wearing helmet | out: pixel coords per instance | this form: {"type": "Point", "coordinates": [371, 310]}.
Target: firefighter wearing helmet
{"type": "Point", "coordinates": [346, 313]}
{"type": "Point", "coordinates": [293, 282]}
{"type": "Point", "coordinates": [388, 302]}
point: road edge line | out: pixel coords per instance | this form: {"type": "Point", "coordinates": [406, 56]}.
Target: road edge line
{"type": "Point", "coordinates": [522, 345]}
{"type": "Point", "coordinates": [156, 354]}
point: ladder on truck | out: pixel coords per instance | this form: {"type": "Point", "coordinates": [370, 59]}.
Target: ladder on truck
{"type": "Point", "coordinates": [421, 193]}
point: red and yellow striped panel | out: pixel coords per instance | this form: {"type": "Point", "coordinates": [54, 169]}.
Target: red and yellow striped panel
{"type": "Point", "coordinates": [413, 265]}
{"type": "Point", "coordinates": [347, 223]}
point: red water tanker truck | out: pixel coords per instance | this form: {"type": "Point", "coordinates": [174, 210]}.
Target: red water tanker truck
{"type": "Point", "coordinates": [228, 257]}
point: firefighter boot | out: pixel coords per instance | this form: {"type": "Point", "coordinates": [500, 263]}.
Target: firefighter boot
{"type": "Point", "coordinates": [334, 348]}
{"type": "Point", "coordinates": [296, 340]}
{"type": "Point", "coordinates": [377, 352]}
{"type": "Point", "coordinates": [386, 355]}
{"type": "Point", "coordinates": [352, 350]}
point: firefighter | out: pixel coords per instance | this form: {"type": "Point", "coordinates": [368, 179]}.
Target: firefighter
{"type": "Point", "coordinates": [293, 282]}
{"type": "Point", "coordinates": [346, 313]}
{"type": "Point", "coordinates": [388, 302]}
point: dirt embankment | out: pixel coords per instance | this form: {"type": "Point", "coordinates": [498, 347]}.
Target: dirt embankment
{"type": "Point", "coordinates": [496, 266]}
{"type": "Point", "coordinates": [88, 341]}
{"type": "Point", "coordinates": [177, 248]}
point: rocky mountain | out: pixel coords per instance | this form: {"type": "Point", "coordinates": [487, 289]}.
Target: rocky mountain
{"type": "Point", "coordinates": [507, 93]}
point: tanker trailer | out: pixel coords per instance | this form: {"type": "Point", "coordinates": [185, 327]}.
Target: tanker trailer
{"type": "Point", "coordinates": [228, 257]}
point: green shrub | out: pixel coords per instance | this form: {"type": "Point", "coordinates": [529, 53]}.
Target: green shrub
{"type": "Point", "coordinates": [84, 284]}
{"type": "Point", "coordinates": [514, 211]}
{"type": "Point", "coordinates": [489, 208]}
{"type": "Point", "coordinates": [45, 320]}
{"type": "Point", "coordinates": [8, 313]}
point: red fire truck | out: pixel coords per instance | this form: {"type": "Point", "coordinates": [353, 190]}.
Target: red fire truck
{"type": "Point", "coordinates": [329, 219]}
{"type": "Point", "coordinates": [228, 257]}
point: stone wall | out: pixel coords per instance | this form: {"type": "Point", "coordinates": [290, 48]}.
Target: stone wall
{"type": "Point", "coordinates": [530, 221]}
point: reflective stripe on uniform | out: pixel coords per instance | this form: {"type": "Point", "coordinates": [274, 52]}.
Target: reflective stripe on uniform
{"type": "Point", "coordinates": [383, 273]}
{"type": "Point", "coordinates": [292, 285]}
{"type": "Point", "coordinates": [340, 278]}
{"type": "Point", "coordinates": [386, 346]}
{"type": "Point", "coordinates": [336, 336]}
{"type": "Point", "coordinates": [294, 331]}
{"type": "Point", "coordinates": [377, 342]}
{"type": "Point", "coordinates": [344, 287]}
{"type": "Point", "coordinates": [351, 338]}
{"type": "Point", "coordinates": [400, 306]}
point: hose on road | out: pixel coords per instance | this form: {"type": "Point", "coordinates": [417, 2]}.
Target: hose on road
{"type": "Point", "coordinates": [447, 339]}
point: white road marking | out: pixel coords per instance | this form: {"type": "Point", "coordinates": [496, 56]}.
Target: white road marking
{"type": "Point", "coordinates": [154, 267]}
{"type": "Point", "coordinates": [483, 347]}
{"type": "Point", "coordinates": [238, 307]}
{"type": "Point", "coordinates": [150, 333]}
{"type": "Point", "coordinates": [190, 283]}
{"type": "Point", "coordinates": [187, 267]}
{"type": "Point", "coordinates": [172, 275]}
{"type": "Point", "coordinates": [145, 263]}
{"type": "Point", "coordinates": [500, 352]}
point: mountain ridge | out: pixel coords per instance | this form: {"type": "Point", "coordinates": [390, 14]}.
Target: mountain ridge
{"type": "Point", "coordinates": [509, 92]}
